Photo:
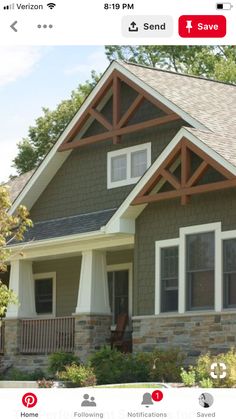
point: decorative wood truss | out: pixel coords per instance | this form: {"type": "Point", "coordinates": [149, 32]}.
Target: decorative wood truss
{"type": "Point", "coordinates": [120, 122]}
{"type": "Point", "coordinates": [186, 171]}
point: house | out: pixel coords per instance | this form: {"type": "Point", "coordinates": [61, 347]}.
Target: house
{"type": "Point", "coordinates": [134, 211]}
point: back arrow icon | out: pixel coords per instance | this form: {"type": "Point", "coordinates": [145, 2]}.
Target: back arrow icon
{"type": "Point", "coordinates": [13, 26]}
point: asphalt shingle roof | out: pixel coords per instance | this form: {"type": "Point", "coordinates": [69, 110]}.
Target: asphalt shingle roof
{"type": "Point", "coordinates": [66, 226]}
{"type": "Point", "coordinates": [210, 102]}
{"type": "Point", "coordinates": [17, 184]}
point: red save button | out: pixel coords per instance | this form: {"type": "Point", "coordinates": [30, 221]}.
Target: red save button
{"type": "Point", "coordinates": [202, 26]}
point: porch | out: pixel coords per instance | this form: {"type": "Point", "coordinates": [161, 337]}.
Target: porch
{"type": "Point", "coordinates": [67, 304]}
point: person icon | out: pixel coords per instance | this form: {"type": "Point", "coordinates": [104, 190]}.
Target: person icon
{"type": "Point", "coordinates": [92, 403]}
{"type": "Point", "coordinates": [206, 400]}
{"type": "Point", "coordinates": [86, 402]}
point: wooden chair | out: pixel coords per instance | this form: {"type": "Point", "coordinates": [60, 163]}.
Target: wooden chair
{"type": "Point", "coordinates": [117, 336]}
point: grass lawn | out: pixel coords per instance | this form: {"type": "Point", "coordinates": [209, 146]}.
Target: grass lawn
{"type": "Point", "coordinates": [136, 385]}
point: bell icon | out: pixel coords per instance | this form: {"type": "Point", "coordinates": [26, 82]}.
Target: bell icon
{"type": "Point", "coordinates": [147, 399]}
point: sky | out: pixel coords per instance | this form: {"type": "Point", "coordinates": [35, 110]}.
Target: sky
{"type": "Point", "coordinates": [36, 77]}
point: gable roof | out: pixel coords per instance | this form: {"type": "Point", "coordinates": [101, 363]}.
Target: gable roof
{"type": "Point", "coordinates": [205, 105]}
{"type": "Point", "coordinates": [210, 102]}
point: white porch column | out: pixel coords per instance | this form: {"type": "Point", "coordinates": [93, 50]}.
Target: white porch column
{"type": "Point", "coordinates": [21, 282]}
{"type": "Point", "coordinates": [93, 295]}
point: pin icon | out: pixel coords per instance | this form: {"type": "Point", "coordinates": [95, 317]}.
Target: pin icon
{"type": "Point", "coordinates": [29, 400]}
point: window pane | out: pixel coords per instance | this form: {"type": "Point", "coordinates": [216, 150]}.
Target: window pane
{"type": "Point", "coordinates": [118, 283]}
{"type": "Point", "coordinates": [169, 262]}
{"type": "Point", "coordinates": [118, 168]}
{"type": "Point", "coordinates": [201, 290]}
{"type": "Point", "coordinates": [200, 251]}
{"type": "Point", "coordinates": [169, 279]}
{"type": "Point", "coordinates": [43, 295]}
{"type": "Point", "coordinates": [200, 270]}
{"type": "Point", "coordinates": [138, 163]}
{"type": "Point", "coordinates": [229, 266]}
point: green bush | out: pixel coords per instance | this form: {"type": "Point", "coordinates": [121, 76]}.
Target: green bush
{"type": "Point", "coordinates": [108, 365]}
{"type": "Point", "coordinates": [79, 375]}
{"type": "Point", "coordinates": [59, 360]}
{"type": "Point", "coordinates": [113, 367]}
{"type": "Point", "coordinates": [202, 370]}
{"type": "Point", "coordinates": [166, 365]}
{"type": "Point", "coordinates": [188, 377]}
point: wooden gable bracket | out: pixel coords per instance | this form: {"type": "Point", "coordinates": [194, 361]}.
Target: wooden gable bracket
{"type": "Point", "coordinates": [118, 127]}
{"type": "Point", "coordinates": [187, 183]}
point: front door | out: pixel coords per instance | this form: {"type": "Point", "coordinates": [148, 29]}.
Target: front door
{"type": "Point", "coordinates": [118, 285]}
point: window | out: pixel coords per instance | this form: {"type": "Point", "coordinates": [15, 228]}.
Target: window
{"type": "Point", "coordinates": [118, 285]}
{"type": "Point", "coordinates": [169, 279]}
{"type": "Point", "coordinates": [200, 251]}
{"type": "Point", "coordinates": [188, 273]}
{"type": "Point", "coordinates": [44, 291]}
{"type": "Point", "coordinates": [229, 273]}
{"type": "Point", "coordinates": [126, 166]}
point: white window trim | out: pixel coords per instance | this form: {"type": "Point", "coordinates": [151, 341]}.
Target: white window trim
{"type": "Point", "coordinates": [46, 275]}
{"type": "Point", "coordinates": [125, 267]}
{"type": "Point", "coordinates": [181, 242]}
{"type": "Point", "coordinates": [126, 151]}
{"type": "Point", "coordinates": [160, 245]}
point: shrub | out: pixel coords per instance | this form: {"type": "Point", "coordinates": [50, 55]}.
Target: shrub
{"type": "Point", "coordinates": [108, 365]}
{"type": "Point", "coordinates": [166, 365]}
{"type": "Point", "coordinates": [203, 368]}
{"type": "Point", "coordinates": [113, 367]}
{"type": "Point", "coordinates": [188, 377]}
{"type": "Point", "coordinates": [59, 360]}
{"type": "Point", "coordinates": [80, 375]}
{"type": "Point", "coordinates": [15, 374]}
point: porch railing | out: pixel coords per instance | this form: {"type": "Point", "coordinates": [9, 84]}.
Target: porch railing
{"type": "Point", "coordinates": [2, 335]}
{"type": "Point", "coordinates": [43, 336]}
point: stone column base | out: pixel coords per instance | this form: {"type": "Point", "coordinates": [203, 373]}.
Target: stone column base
{"type": "Point", "coordinates": [11, 341]}
{"type": "Point", "coordinates": [92, 332]}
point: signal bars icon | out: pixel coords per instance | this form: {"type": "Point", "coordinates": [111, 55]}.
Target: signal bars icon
{"type": "Point", "coordinates": [8, 7]}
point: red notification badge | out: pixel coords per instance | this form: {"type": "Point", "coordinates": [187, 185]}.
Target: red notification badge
{"type": "Point", "coordinates": [202, 26]}
{"type": "Point", "coordinates": [157, 395]}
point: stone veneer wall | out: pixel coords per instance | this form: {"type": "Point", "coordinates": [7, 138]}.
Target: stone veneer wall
{"type": "Point", "coordinates": [193, 334]}
{"type": "Point", "coordinates": [12, 356]}
{"type": "Point", "coordinates": [92, 332]}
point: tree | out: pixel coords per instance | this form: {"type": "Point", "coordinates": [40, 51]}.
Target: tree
{"type": "Point", "coordinates": [217, 62]}
{"type": "Point", "coordinates": [48, 127]}
{"type": "Point", "coordinates": [12, 227]}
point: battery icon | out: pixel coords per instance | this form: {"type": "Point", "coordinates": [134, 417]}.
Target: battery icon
{"type": "Point", "coordinates": [224, 6]}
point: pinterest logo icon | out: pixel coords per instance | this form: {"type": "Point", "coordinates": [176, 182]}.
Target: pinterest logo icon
{"type": "Point", "coordinates": [29, 400]}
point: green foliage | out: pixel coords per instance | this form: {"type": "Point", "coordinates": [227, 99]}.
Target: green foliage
{"type": "Point", "coordinates": [108, 364]}
{"type": "Point", "coordinates": [113, 367]}
{"type": "Point", "coordinates": [16, 374]}
{"type": "Point", "coordinates": [12, 227]}
{"type": "Point", "coordinates": [206, 383]}
{"type": "Point", "coordinates": [217, 62]}
{"type": "Point", "coordinates": [166, 365]}
{"type": "Point", "coordinates": [48, 127]}
{"type": "Point", "coordinates": [188, 377]}
{"type": "Point", "coordinates": [202, 370]}
{"type": "Point", "coordinates": [59, 360]}
{"type": "Point", "coordinates": [80, 375]}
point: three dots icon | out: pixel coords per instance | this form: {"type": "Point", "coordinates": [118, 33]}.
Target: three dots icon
{"type": "Point", "coordinates": [44, 26]}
